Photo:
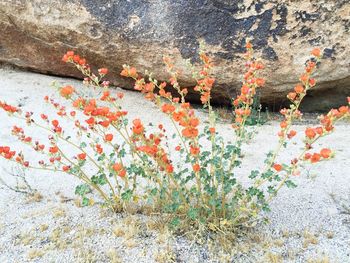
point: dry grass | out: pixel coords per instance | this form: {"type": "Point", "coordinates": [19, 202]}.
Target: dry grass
{"type": "Point", "coordinates": [43, 227]}
{"type": "Point", "coordinates": [319, 259]}
{"type": "Point", "coordinates": [59, 212]}
{"type": "Point", "coordinates": [34, 198]}
{"type": "Point", "coordinates": [113, 256]}
{"type": "Point", "coordinates": [273, 257]}
{"type": "Point", "coordinates": [25, 238]}
{"type": "Point", "coordinates": [166, 255]}
{"type": "Point", "coordinates": [35, 253]}
{"type": "Point", "coordinates": [309, 238]}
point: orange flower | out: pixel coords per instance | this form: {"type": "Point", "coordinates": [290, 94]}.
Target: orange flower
{"type": "Point", "coordinates": [291, 134]}
{"type": "Point", "coordinates": [104, 123]}
{"type": "Point", "coordinates": [90, 121]}
{"type": "Point", "coordinates": [129, 72]}
{"type": "Point", "coordinates": [307, 156]}
{"type": "Point", "coordinates": [178, 148]}
{"type": "Point", "coordinates": [304, 78]}
{"type": "Point", "coordinates": [245, 89]}
{"type": "Point", "coordinates": [291, 96]}
{"type": "Point", "coordinates": [325, 153]}
{"type": "Point", "coordinates": [82, 61]}
{"type": "Point", "coordinates": [103, 71]}
{"type": "Point", "coordinates": [66, 91]}
{"type": "Point", "coordinates": [168, 108]}
{"type": "Point", "coordinates": [66, 168]}
{"type": "Point", "coordinates": [212, 130]}
{"type": "Point", "coordinates": [53, 149]}
{"type": "Point", "coordinates": [312, 82]}
{"type": "Point", "coordinates": [138, 127]}
{"type": "Point", "coordinates": [194, 122]}
{"type": "Point", "coordinates": [283, 124]}
{"type": "Point", "coordinates": [315, 158]}
{"type": "Point", "coordinates": [344, 109]}
{"type": "Point", "coordinates": [169, 168]}
{"type": "Point", "coordinates": [196, 167]}
{"type": "Point", "coordinates": [76, 58]}
{"type": "Point", "coordinates": [117, 167]}
{"type": "Point", "coordinates": [78, 103]}
{"type": "Point", "coordinates": [319, 130]}
{"type": "Point", "coordinates": [310, 133]}
{"type": "Point", "coordinates": [81, 156]}
{"type": "Point", "coordinates": [122, 173]}
{"type": "Point", "coordinates": [299, 89]}
{"type": "Point", "coordinates": [260, 82]}
{"type": "Point", "coordinates": [55, 123]}
{"type": "Point", "coordinates": [248, 45]}
{"type": "Point", "coordinates": [99, 148]}
{"type": "Point", "coordinates": [316, 52]}
{"type": "Point", "coordinates": [190, 132]}
{"type": "Point", "coordinates": [109, 137]}
{"type": "Point", "coordinates": [277, 167]}
{"type": "Point", "coordinates": [194, 150]}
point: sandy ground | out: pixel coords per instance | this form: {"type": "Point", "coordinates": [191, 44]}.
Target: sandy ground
{"type": "Point", "coordinates": [309, 223]}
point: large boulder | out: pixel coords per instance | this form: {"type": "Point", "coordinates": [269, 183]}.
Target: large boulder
{"type": "Point", "coordinates": [35, 33]}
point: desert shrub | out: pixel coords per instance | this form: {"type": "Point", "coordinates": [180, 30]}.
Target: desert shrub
{"type": "Point", "coordinates": [189, 174]}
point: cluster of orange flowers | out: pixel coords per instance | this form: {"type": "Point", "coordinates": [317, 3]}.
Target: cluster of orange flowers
{"type": "Point", "coordinates": [205, 83]}
{"type": "Point", "coordinates": [297, 95]}
{"type": "Point", "coordinates": [129, 72]}
{"type": "Point", "coordinates": [91, 109]}
{"type": "Point", "coordinates": [325, 153]}
{"type": "Point", "coordinates": [8, 108]}
{"type": "Point", "coordinates": [150, 145]}
{"type": "Point", "coordinates": [251, 82]}
{"type": "Point", "coordinates": [119, 169]}
{"type": "Point", "coordinates": [70, 56]}
{"type": "Point", "coordinates": [327, 126]}
{"type": "Point", "coordinates": [66, 91]}
{"type": "Point", "coordinates": [137, 127]}
{"type": "Point", "coordinates": [6, 152]}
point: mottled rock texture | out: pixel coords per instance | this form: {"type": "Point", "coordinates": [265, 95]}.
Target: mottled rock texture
{"type": "Point", "coordinates": [35, 33]}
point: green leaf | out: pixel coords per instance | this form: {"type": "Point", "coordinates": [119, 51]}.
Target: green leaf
{"type": "Point", "coordinates": [267, 174]}
{"type": "Point", "coordinates": [83, 145]}
{"type": "Point", "coordinates": [100, 180]}
{"type": "Point", "coordinates": [252, 191]}
{"type": "Point", "coordinates": [265, 207]}
{"type": "Point", "coordinates": [154, 191]}
{"type": "Point", "coordinates": [121, 153]}
{"type": "Point", "coordinates": [85, 201]}
{"type": "Point", "coordinates": [271, 189]}
{"type": "Point", "coordinates": [126, 196]}
{"type": "Point", "coordinates": [216, 160]}
{"type": "Point", "coordinates": [101, 157]}
{"type": "Point", "coordinates": [82, 189]}
{"type": "Point", "coordinates": [193, 213]}
{"type": "Point", "coordinates": [175, 195]}
{"type": "Point", "coordinates": [253, 174]}
{"type": "Point", "coordinates": [175, 222]}
{"type": "Point", "coordinates": [290, 184]}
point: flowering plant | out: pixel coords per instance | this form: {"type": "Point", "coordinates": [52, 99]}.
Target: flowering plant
{"type": "Point", "coordinates": [131, 164]}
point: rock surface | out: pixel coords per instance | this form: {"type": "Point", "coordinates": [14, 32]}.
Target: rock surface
{"type": "Point", "coordinates": [35, 33]}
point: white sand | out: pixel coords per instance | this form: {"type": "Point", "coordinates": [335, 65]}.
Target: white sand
{"type": "Point", "coordinates": [296, 214]}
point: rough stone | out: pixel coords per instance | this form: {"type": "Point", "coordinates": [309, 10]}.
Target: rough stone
{"type": "Point", "coordinates": [35, 33]}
